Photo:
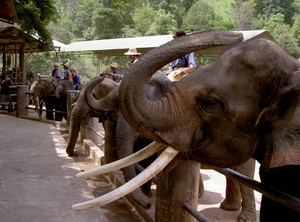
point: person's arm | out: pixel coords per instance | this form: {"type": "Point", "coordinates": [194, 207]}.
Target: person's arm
{"type": "Point", "coordinates": [191, 60]}
{"type": "Point", "coordinates": [114, 75]}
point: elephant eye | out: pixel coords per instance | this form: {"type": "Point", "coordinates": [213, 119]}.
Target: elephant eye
{"type": "Point", "coordinates": [210, 105]}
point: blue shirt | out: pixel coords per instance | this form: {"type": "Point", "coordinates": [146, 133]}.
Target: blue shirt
{"type": "Point", "coordinates": [116, 72]}
{"type": "Point", "coordinates": [56, 74]}
{"type": "Point", "coordinates": [184, 61]}
{"type": "Point", "coordinates": [66, 74]}
{"type": "Point", "coordinates": [76, 81]}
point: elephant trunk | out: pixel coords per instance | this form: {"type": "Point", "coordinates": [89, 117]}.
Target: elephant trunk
{"type": "Point", "coordinates": [74, 128]}
{"type": "Point", "coordinates": [138, 110]}
{"type": "Point", "coordinates": [105, 104]}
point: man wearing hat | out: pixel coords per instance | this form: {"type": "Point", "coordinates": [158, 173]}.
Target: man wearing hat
{"type": "Point", "coordinates": [133, 55]}
{"type": "Point", "coordinates": [66, 72]}
{"type": "Point", "coordinates": [115, 73]}
{"type": "Point", "coordinates": [76, 79]}
{"type": "Point", "coordinates": [56, 73]}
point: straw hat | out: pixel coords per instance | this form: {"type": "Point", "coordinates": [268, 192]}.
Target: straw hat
{"type": "Point", "coordinates": [56, 64]}
{"type": "Point", "coordinates": [114, 64]}
{"type": "Point", "coordinates": [66, 65]}
{"type": "Point", "coordinates": [73, 68]}
{"type": "Point", "coordinates": [132, 51]}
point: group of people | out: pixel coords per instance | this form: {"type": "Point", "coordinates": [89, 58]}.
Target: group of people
{"type": "Point", "coordinates": [68, 74]}
{"type": "Point", "coordinates": [179, 67]}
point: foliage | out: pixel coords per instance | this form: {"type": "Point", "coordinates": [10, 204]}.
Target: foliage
{"type": "Point", "coordinates": [281, 33]}
{"type": "Point", "coordinates": [34, 15]}
{"type": "Point", "coordinates": [80, 20]}
{"type": "Point", "coordinates": [199, 17]}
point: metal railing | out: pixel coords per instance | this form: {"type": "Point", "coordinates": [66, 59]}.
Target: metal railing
{"type": "Point", "coordinates": [283, 198]}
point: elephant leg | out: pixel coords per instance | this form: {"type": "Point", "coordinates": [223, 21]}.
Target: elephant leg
{"type": "Point", "coordinates": [248, 212]}
{"type": "Point", "coordinates": [232, 201]}
{"type": "Point", "coordinates": [201, 186]}
{"type": "Point", "coordinates": [287, 180]}
{"type": "Point", "coordinates": [58, 107]}
{"type": "Point", "coordinates": [49, 103]}
{"type": "Point", "coordinates": [110, 151]}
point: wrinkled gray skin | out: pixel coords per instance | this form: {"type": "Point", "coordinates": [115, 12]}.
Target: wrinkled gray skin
{"type": "Point", "coordinates": [104, 90]}
{"type": "Point", "coordinates": [126, 137]}
{"type": "Point", "coordinates": [61, 95]}
{"type": "Point", "coordinates": [246, 103]}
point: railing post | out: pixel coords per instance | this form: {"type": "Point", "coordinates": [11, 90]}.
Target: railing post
{"type": "Point", "coordinates": [174, 187]}
{"type": "Point", "coordinates": [71, 96]}
{"type": "Point", "coordinates": [22, 100]}
{"type": "Point", "coordinates": [86, 132]}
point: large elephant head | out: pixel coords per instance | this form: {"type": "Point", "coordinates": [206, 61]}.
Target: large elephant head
{"type": "Point", "coordinates": [219, 113]}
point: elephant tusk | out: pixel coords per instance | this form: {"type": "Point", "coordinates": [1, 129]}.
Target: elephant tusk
{"type": "Point", "coordinates": [158, 165]}
{"type": "Point", "coordinates": [129, 160]}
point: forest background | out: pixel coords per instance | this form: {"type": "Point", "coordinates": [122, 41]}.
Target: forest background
{"type": "Point", "coordinates": [70, 21]}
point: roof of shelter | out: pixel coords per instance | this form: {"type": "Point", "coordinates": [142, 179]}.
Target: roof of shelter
{"type": "Point", "coordinates": [118, 46]}
{"type": "Point", "coordinates": [8, 12]}
{"type": "Point", "coordinates": [10, 37]}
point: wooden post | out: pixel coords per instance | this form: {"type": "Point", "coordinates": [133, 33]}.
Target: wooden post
{"type": "Point", "coordinates": [22, 100]}
{"type": "Point", "coordinates": [71, 96]}
{"type": "Point", "coordinates": [178, 185]}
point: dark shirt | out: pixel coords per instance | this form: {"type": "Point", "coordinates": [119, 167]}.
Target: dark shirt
{"type": "Point", "coordinates": [184, 61]}
{"type": "Point", "coordinates": [5, 88]}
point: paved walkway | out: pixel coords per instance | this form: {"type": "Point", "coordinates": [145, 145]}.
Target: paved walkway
{"type": "Point", "coordinates": [37, 180]}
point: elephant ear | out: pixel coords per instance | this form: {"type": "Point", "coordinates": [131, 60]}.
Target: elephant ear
{"type": "Point", "coordinates": [280, 125]}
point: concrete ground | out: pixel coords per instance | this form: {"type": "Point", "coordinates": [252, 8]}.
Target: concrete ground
{"type": "Point", "coordinates": [21, 200]}
{"type": "Point", "coordinates": [37, 180]}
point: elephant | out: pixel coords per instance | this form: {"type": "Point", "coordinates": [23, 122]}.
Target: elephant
{"type": "Point", "coordinates": [243, 104]}
{"type": "Point", "coordinates": [54, 97]}
{"type": "Point", "coordinates": [61, 95]}
{"type": "Point", "coordinates": [129, 141]}
{"type": "Point", "coordinates": [104, 91]}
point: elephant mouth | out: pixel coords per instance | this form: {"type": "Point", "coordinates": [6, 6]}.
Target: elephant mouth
{"type": "Point", "coordinates": [158, 165]}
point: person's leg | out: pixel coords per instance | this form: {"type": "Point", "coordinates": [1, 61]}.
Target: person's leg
{"type": "Point", "coordinates": [10, 105]}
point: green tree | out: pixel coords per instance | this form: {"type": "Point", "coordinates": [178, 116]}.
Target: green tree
{"type": "Point", "coordinates": [267, 8]}
{"type": "Point", "coordinates": [106, 23]}
{"type": "Point", "coordinates": [244, 15]}
{"type": "Point", "coordinates": [34, 16]}
{"type": "Point", "coordinates": [163, 23]}
{"type": "Point", "coordinates": [281, 32]}
{"type": "Point", "coordinates": [199, 17]}
{"type": "Point", "coordinates": [143, 18]}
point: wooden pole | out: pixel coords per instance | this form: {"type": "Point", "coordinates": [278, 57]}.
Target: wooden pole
{"type": "Point", "coordinates": [22, 100]}
{"type": "Point", "coordinates": [174, 187]}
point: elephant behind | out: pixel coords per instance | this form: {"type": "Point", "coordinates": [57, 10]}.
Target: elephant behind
{"type": "Point", "coordinates": [61, 99]}
{"type": "Point", "coordinates": [102, 91]}
{"type": "Point", "coordinates": [55, 98]}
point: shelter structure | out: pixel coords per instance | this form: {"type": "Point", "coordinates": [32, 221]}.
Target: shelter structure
{"type": "Point", "coordinates": [14, 43]}
{"type": "Point", "coordinates": [118, 46]}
